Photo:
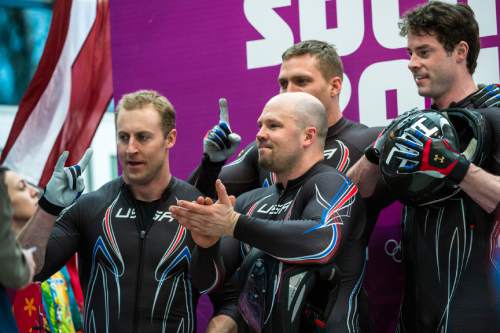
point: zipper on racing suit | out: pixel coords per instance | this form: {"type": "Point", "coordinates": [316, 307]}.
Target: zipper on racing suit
{"type": "Point", "coordinates": [143, 231]}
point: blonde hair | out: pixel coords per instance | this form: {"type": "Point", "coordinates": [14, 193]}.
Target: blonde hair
{"type": "Point", "coordinates": [143, 98]}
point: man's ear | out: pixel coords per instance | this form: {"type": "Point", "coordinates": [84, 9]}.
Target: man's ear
{"type": "Point", "coordinates": [310, 134]}
{"type": "Point", "coordinates": [462, 50]}
{"type": "Point", "coordinates": [171, 138]}
{"type": "Point", "coordinates": [335, 86]}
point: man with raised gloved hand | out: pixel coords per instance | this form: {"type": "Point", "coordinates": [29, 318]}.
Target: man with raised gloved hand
{"type": "Point", "coordinates": [133, 256]}
{"type": "Point", "coordinates": [448, 244]}
{"type": "Point", "coordinates": [313, 67]}
{"type": "Point", "coordinates": [309, 225]}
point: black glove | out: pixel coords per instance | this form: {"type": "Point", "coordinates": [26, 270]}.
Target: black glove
{"type": "Point", "coordinates": [372, 152]}
{"type": "Point", "coordinates": [487, 96]}
{"type": "Point", "coordinates": [430, 155]}
{"type": "Point", "coordinates": [220, 142]}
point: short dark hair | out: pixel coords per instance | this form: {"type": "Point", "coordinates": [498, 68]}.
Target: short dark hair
{"type": "Point", "coordinates": [143, 98]}
{"type": "Point", "coordinates": [450, 23]}
{"type": "Point", "coordinates": [329, 61]}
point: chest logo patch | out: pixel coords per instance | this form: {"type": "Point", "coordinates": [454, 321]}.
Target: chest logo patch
{"type": "Point", "coordinates": [274, 209]}
{"type": "Point", "coordinates": [328, 153]}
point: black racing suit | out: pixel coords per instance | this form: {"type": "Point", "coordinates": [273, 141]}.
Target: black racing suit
{"type": "Point", "coordinates": [311, 230]}
{"type": "Point", "coordinates": [133, 259]}
{"type": "Point", "coordinates": [448, 260]}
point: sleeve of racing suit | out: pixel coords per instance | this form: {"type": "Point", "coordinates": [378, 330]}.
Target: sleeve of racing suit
{"type": "Point", "coordinates": [239, 176]}
{"type": "Point", "coordinates": [332, 212]}
{"type": "Point", "coordinates": [211, 266]}
{"type": "Point", "coordinates": [225, 300]}
{"type": "Point", "coordinates": [63, 242]}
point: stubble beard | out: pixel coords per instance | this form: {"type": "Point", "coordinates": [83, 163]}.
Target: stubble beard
{"type": "Point", "coordinates": [276, 164]}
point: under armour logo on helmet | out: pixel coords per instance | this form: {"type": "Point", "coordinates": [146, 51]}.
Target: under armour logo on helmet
{"type": "Point", "coordinates": [439, 158]}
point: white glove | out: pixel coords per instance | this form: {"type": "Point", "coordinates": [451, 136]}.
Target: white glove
{"type": "Point", "coordinates": [65, 185]}
{"type": "Point", "coordinates": [220, 142]}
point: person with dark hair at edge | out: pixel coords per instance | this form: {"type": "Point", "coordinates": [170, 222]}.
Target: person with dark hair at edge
{"type": "Point", "coordinates": [18, 265]}
{"type": "Point", "coordinates": [448, 244]}
{"type": "Point", "coordinates": [52, 304]}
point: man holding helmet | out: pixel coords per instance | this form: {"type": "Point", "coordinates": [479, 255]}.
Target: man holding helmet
{"type": "Point", "coordinates": [448, 238]}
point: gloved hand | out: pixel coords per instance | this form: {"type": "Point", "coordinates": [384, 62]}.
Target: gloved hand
{"type": "Point", "coordinates": [220, 142]}
{"type": "Point", "coordinates": [372, 152]}
{"type": "Point", "coordinates": [65, 185]}
{"type": "Point", "coordinates": [430, 155]}
{"type": "Point", "coordinates": [487, 96]}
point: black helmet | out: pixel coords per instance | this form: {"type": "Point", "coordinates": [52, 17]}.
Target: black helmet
{"type": "Point", "coordinates": [474, 133]}
{"type": "Point", "coordinates": [423, 188]}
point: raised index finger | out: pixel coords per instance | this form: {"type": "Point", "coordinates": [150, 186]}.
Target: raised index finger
{"type": "Point", "coordinates": [223, 113]}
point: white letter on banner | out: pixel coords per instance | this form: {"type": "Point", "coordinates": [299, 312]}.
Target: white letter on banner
{"type": "Point", "coordinates": [380, 77]}
{"type": "Point", "coordinates": [385, 24]}
{"type": "Point", "coordinates": [486, 16]}
{"type": "Point", "coordinates": [277, 34]}
{"type": "Point", "coordinates": [347, 37]}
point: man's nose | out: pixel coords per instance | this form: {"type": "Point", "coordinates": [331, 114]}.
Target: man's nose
{"type": "Point", "coordinates": [131, 146]}
{"type": "Point", "coordinates": [261, 134]}
{"type": "Point", "coordinates": [414, 62]}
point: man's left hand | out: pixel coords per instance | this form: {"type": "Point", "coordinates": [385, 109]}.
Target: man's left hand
{"type": "Point", "coordinates": [431, 155]}
{"type": "Point", "coordinates": [214, 220]}
{"type": "Point", "coordinates": [200, 239]}
{"type": "Point", "coordinates": [65, 185]}
{"type": "Point", "coordinates": [220, 142]}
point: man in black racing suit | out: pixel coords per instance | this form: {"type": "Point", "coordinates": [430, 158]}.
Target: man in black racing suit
{"type": "Point", "coordinates": [310, 66]}
{"type": "Point", "coordinates": [448, 246]}
{"type": "Point", "coordinates": [307, 226]}
{"type": "Point", "coordinates": [133, 256]}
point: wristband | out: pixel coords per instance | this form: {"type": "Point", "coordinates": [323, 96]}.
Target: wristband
{"type": "Point", "coordinates": [49, 207]}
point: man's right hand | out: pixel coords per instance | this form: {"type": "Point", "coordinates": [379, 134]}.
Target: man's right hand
{"type": "Point", "coordinates": [65, 185]}
{"type": "Point", "coordinates": [220, 142]}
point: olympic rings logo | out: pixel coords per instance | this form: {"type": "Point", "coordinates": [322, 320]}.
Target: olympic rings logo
{"type": "Point", "coordinates": [393, 249]}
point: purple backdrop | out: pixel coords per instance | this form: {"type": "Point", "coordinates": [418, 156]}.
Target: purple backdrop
{"type": "Point", "coordinates": [195, 52]}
